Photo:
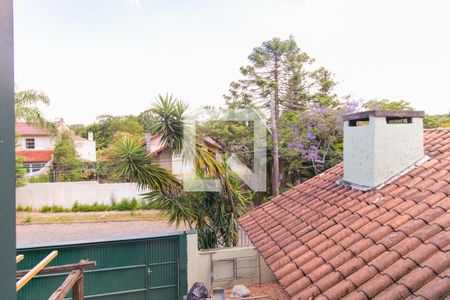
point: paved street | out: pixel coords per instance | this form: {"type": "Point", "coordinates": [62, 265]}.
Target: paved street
{"type": "Point", "coordinates": [35, 234]}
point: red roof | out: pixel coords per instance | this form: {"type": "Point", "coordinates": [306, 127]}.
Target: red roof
{"type": "Point", "coordinates": [35, 155]}
{"type": "Point", "coordinates": [79, 138]}
{"type": "Point", "coordinates": [25, 129]}
{"type": "Point", "coordinates": [327, 241]}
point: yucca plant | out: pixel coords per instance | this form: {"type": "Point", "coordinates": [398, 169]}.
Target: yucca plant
{"type": "Point", "coordinates": [129, 161]}
{"type": "Point", "coordinates": [213, 214]}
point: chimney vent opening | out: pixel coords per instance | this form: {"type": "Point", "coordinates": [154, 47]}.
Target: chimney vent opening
{"type": "Point", "coordinates": [359, 122]}
{"type": "Point", "coordinates": [399, 120]}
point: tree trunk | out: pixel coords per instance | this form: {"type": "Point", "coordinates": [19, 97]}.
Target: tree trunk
{"type": "Point", "coordinates": [274, 114]}
{"type": "Point", "coordinates": [276, 165]}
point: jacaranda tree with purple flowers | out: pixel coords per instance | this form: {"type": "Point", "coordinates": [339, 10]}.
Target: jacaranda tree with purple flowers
{"type": "Point", "coordinates": [314, 136]}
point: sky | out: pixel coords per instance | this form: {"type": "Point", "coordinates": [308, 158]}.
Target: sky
{"type": "Point", "coordinates": [115, 56]}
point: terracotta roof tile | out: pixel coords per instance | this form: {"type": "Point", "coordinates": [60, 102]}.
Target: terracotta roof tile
{"type": "Point", "coordinates": [339, 290]}
{"type": "Point", "coordinates": [29, 156]}
{"type": "Point", "coordinates": [25, 129]}
{"type": "Point", "coordinates": [376, 285]}
{"type": "Point", "coordinates": [437, 288]}
{"type": "Point", "coordinates": [328, 281]}
{"type": "Point", "coordinates": [400, 268]}
{"type": "Point", "coordinates": [439, 262]}
{"type": "Point", "coordinates": [328, 241]}
{"type": "Point", "coordinates": [393, 292]}
{"type": "Point", "coordinates": [416, 278]}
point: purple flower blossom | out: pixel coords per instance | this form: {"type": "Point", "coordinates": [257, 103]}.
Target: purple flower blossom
{"type": "Point", "coordinates": [310, 136]}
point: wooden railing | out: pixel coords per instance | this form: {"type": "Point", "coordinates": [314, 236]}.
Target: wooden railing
{"type": "Point", "coordinates": [74, 281]}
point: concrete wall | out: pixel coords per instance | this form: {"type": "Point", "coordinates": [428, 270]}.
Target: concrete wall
{"type": "Point", "coordinates": [86, 150]}
{"type": "Point", "coordinates": [201, 270]}
{"type": "Point", "coordinates": [65, 194]}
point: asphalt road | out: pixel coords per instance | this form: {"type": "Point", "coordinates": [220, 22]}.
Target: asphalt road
{"type": "Point", "coordinates": [45, 234]}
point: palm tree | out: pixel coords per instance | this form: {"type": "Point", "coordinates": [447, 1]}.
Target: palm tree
{"type": "Point", "coordinates": [129, 160]}
{"type": "Point", "coordinates": [213, 214]}
{"type": "Point", "coordinates": [170, 123]}
{"type": "Point", "coordinates": [170, 117]}
{"type": "Point", "coordinates": [27, 107]}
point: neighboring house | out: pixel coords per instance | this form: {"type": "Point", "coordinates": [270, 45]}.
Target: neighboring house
{"type": "Point", "coordinates": [375, 227]}
{"type": "Point", "coordinates": [36, 145]}
{"type": "Point", "coordinates": [174, 163]}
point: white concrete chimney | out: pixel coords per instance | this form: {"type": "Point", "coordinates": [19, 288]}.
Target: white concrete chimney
{"type": "Point", "coordinates": [379, 145]}
{"type": "Point", "coordinates": [90, 136]}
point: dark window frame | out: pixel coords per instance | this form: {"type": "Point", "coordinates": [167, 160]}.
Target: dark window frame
{"type": "Point", "coordinates": [30, 140]}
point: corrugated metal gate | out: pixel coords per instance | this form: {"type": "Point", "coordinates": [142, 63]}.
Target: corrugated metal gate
{"type": "Point", "coordinates": [150, 267]}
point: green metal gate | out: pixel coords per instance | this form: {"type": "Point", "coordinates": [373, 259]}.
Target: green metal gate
{"type": "Point", "coordinates": [151, 267]}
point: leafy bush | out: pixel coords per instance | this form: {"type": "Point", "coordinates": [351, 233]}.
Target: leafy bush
{"type": "Point", "coordinates": [123, 205]}
{"type": "Point", "coordinates": [77, 207]}
{"type": "Point", "coordinates": [53, 209]}
{"type": "Point", "coordinates": [67, 164]}
{"type": "Point", "coordinates": [42, 178]}
{"type": "Point", "coordinates": [24, 208]}
{"type": "Point", "coordinates": [46, 208]}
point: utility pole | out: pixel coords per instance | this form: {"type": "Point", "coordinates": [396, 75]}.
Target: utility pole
{"type": "Point", "coordinates": [7, 154]}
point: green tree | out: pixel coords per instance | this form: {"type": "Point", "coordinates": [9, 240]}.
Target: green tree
{"type": "Point", "coordinates": [129, 161]}
{"type": "Point", "coordinates": [276, 78]}
{"type": "Point", "coordinates": [67, 166]}
{"type": "Point", "coordinates": [107, 126]}
{"type": "Point", "coordinates": [213, 214]}
{"type": "Point", "coordinates": [27, 107]}
{"type": "Point", "coordinates": [435, 121]}
{"type": "Point", "coordinates": [20, 169]}
{"type": "Point", "coordinates": [20, 172]}
{"type": "Point", "coordinates": [386, 104]}
{"type": "Point", "coordinates": [169, 114]}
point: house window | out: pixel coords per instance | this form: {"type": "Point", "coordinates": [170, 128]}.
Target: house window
{"type": "Point", "coordinates": [29, 144]}
{"type": "Point", "coordinates": [33, 167]}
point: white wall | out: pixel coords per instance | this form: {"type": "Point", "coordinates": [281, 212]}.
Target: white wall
{"type": "Point", "coordinates": [40, 142]}
{"type": "Point", "coordinates": [86, 150]}
{"type": "Point", "coordinates": [65, 194]}
{"type": "Point", "coordinates": [247, 256]}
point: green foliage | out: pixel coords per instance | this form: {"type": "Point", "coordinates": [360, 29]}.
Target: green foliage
{"type": "Point", "coordinates": [66, 163]}
{"type": "Point", "coordinates": [213, 214]}
{"type": "Point", "coordinates": [20, 169]}
{"type": "Point", "coordinates": [53, 209]}
{"type": "Point", "coordinates": [386, 104]}
{"type": "Point", "coordinates": [129, 161]}
{"type": "Point", "coordinates": [235, 136]}
{"type": "Point", "coordinates": [24, 208]}
{"type": "Point", "coordinates": [280, 78]}
{"type": "Point", "coordinates": [20, 172]}
{"type": "Point", "coordinates": [435, 121]}
{"type": "Point", "coordinates": [107, 126]}
{"type": "Point", "coordinates": [41, 178]}
{"type": "Point", "coordinates": [278, 70]}
{"type": "Point", "coordinates": [79, 129]}
{"type": "Point", "coordinates": [123, 205]}
{"type": "Point", "coordinates": [77, 207]}
{"type": "Point", "coordinates": [169, 121]}
{"type": "Point", "coordinates": [27, 107]}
